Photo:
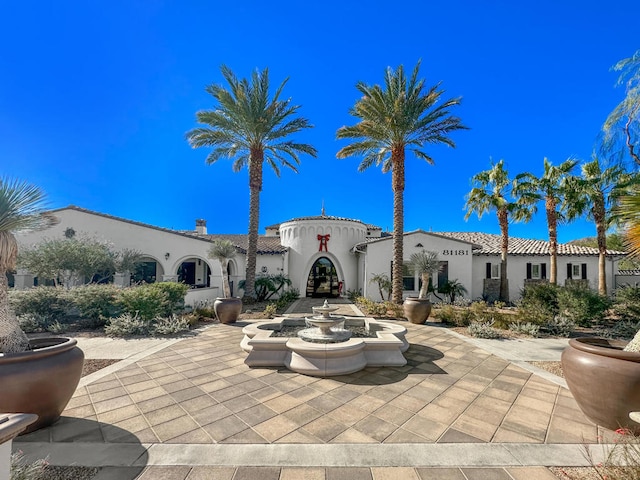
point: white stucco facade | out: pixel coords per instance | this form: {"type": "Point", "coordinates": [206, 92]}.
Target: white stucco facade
{"type": "Point", "coordinates": [322, 255]}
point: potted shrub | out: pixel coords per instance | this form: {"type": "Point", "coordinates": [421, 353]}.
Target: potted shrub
{"type": "Point", "coordinates": [604, 375]}
{"type": "Point", "coordinates": [37, 376]}
{"type": "Point", "coordinates": [417, 309]}
{"type": "Point", "coordinates": [227, 308]}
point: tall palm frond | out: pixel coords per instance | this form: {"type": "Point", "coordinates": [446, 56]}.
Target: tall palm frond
{"type": "Point", "coordinates": [401, 114]}
{"type": "Point", "coordinates": [551, 188]}
{"type": "Point", "coordinates": [493, 192]}
{"type": "Point", "coordinates": [250, 127]}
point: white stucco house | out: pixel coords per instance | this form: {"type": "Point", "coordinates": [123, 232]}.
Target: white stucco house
{"type": "Point", "coordinates": [324, 256]}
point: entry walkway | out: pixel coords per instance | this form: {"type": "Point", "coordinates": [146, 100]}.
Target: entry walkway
{"type": "Point", "coordinates": [192, 409]}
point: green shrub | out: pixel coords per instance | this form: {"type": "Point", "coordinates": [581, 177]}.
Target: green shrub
{"type": "Point", "coordinates": [535, 312]}
{"type": "Point", "coordinates": [287, 298]}
{"type": "Point", "coordinates": [31, 323]}
{"type": "Point", "coordinates": [127, 325]}
{"type": "Point", "coordinates": [460, 317]}
{"type": "Point", "coordinates": [369, 307]}
{"type": "Point", "coordinates": [627, 303]}
{"type": "Point", "coordinates": [270, 310]}
{"type": "Point", "coordinates": [97, 303]}
{"type": "Point", "coordinates": [483, 330]}
{"type": "Point", "coordinates": [538, 303]}
{"type": "Point", "coordinates": [560, 326]}
{"type": "Point", "coordinates": [174, 292]}
{"type": "Point", "coordinates": [169, 325]}
{"type": "Point", "coordinates": [446, 314]}
{"type": "Point", "coordinates": [625, 329]}
{"type": "Point", "coordinates": [528, 328]}
{"type": "Point", "coordinates": [154, 300]}
{"type": "Point", "coordinates": [50, 303]}
{"type": "Point", "coordinates": [394, 310]}
{"type": "Point", "coordinates": [353, 295]}
{"type": "Point", "coordinates": [582, 305]}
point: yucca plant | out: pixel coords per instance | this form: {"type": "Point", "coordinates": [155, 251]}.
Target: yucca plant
{"type": "Point", "coordinates": [424, 263]}
{"type": "Point", "coordinates": [21, 208]}
{"type": "Point", "coordinates": [223, 251]}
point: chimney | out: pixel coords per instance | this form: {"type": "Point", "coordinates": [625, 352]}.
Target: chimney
{"type": "Point", "coordinates": [201, 226]}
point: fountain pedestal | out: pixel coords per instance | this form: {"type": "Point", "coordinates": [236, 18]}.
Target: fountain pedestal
{"type": "Point", "coordinates": [324, 326]}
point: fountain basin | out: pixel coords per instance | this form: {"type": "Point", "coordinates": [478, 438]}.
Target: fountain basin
{"type": "Point", "coordinates": [385, 348]}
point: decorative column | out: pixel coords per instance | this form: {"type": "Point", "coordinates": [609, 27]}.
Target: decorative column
{"type": "Point", "coordinates": [23, 280]}
{"type": "Point", "coordinates": [122, 279]}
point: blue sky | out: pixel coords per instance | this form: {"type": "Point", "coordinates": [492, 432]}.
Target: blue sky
{"type": "Point", "coordinates": [95, 99]}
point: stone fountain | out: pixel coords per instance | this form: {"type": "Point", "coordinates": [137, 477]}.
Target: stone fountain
{"type": "Point", "coordinates": [325, 328]}
{"type": "Point", "coordinates": [326, 347]}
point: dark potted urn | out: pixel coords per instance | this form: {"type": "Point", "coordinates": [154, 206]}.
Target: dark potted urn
{"type": "Point", "coordinates": [227, 309]}
{"type": "Point", "coordinates": [416, 309]}
{"type": "Point", "coordinates": [604, 380]}
{"type": "Point", "coordinates": [41, 380]}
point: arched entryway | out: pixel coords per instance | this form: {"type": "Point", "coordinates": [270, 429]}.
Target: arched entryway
{"type": "Point", "coordinates": [323, 279]}
{"type": "Point", "coordinates": [194, 272]}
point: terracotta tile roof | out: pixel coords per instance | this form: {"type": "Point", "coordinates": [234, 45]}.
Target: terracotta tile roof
{"type": "Point", "coordinates": [266, 245]}
{"type": "Point", "coordinates": [489, 244]}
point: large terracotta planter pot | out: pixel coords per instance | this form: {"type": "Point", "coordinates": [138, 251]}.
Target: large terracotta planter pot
{"type": "Point", "coordinates": [604, 380]}
{"type": "Point", "coordinates": [417, 310]}
{"type": "Point", "coordinates": [42, 380]}
{"type": "Point", "coordinates": [227, 309]}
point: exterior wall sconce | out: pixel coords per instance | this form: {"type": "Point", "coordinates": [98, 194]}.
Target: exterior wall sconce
{"type": "Point", "coordinates": [167, 255]}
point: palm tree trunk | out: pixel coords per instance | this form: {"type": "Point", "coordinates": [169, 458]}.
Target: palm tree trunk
{"type": "Point", "coordinates": [601, 235]}
{"type": "Point", "coordinates": [397, 183]}
{"type": "Point", "coordinates": [255, 187]}
{"type": "Point", "coordinates": [503, 220]}
{"type": "Point", "coordinates": [552, 225]}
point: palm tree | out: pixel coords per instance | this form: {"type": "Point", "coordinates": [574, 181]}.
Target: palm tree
{"type": "Point", "coordinates": [403, 114]}
{"type": "Point", "coordinates": [491, 192]}
{"type": "Point", "coordinates": [21, 208]}
{"type": "Point", "coordinates": [383, 282]}
{"type": "Point", "coordinates": [596, 193]}
{"type": "Point", "coordinates": [552, 188]}
{"type": "Point", "coordinates": [251, 128]}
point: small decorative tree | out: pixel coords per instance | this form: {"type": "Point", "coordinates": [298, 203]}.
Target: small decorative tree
{"type": "Point", "coordinates": [223, 251]}
{"type": "Point", "coordinates": [424, 263]}
{"type": "Point", "coordinates": [384, 284]}
{"type": "Point", "coordinates": [453, 288]}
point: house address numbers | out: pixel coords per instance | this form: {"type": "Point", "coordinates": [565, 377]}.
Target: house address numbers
{"type": "Point", "coordinates": [455, 252]}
